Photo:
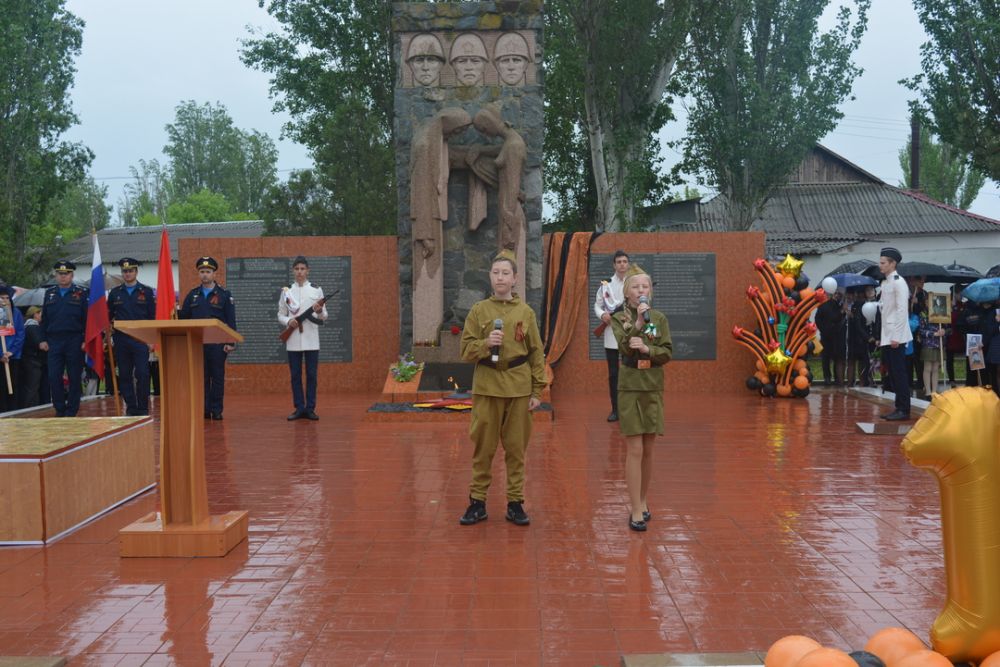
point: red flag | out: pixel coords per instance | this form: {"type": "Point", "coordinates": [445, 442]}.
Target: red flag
{"type": "Point", "coordinates": [166, 302]}
{"type": "Point", "coordinates": [97, 315]}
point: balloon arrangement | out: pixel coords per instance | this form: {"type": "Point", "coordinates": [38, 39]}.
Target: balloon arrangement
{"type": "Point", "coordinates": [889, 647]}
{"type": "Point", "coordinates": [784, 333]}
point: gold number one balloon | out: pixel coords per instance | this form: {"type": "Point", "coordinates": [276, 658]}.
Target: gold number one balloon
{"type": "Point", "coordinates": [958, 441]}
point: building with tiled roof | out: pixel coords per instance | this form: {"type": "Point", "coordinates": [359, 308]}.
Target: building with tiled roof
{"type": "Point", "coordinates": [143, 243]}
{"type": "Point", "coordinates": [831, 211]}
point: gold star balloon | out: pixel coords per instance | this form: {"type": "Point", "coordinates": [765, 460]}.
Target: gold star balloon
{"type": "Point", "coordinates": [777, 361]}
{"type": "Point", "coordinates": [791, 266]}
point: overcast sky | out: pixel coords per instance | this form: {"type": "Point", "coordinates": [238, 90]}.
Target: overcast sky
{"type": "Point", "coordinates": [141, 58]}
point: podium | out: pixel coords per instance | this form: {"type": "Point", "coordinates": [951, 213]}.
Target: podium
{"type": "Point", "coordinates": [183, 527]}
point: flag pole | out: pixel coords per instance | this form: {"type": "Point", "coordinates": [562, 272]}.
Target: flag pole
{"type": "Point", "coordinates": [106, 347]}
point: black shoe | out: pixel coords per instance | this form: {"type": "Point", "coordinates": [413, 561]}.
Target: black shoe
{"type": "Point", "coordinates": [887, 415]}
{"type": "Point", "coordinates": [60, 414]}
{"type": "Point", "coordinates": [646, 516]}
{"type": "Point", "coordinates": [296, 415]}
{"type": "Point", "coordinates": [217, 416]}
{"type": "Point", "coordinates": [638, 526]}
{"type": "Point", "coordinates": [897, 416]}
{"type": "Point", "coordinates": [312, 416]}
{"type": "Point", "coordinates": [516, 514]}
{"type": "Point", "coordinates": [208, 415]}
{"type": "Point", "coordinates": [475, 513]}
{"type": "Point", "coordinates": [613, 417]}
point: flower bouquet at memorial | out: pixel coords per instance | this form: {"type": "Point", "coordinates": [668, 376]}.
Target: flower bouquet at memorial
{"type": "Point", "coordinates": [784, 335]}
{"type": "Point", "coordinates": [406, 368]}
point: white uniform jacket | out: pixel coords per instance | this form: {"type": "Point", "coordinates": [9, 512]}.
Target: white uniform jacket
{"type": "Point", "coordinates": [609, 296]}
{"type": "Point", "coordinates": [294, 301]}
{"type": "Point", "coordinates": [895, 306]}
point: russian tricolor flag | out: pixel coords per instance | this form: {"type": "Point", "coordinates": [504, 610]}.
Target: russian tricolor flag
{"type": "Point", "coordinates": [97, 315]}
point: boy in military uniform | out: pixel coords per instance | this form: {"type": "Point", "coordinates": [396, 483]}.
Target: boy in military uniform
{"type": "Point", "coordinates": [64, 322]}
{"type": "Point", "coordinates": [132, 301]}
{"type": "Point", "coordinates": [643, 336]}
{"type": "Point", "coordinates": [211, 300]}
{"type": "Point", "coordinates": [507, 385]}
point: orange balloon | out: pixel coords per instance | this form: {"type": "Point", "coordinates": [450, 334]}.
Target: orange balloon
{"type": "Point", "coordinates": [789, 650]}
{"type": "Point", "coordinates": [806, 293]}
{"type": "Point", "coordinates": [924, 658]}
{"type": "Point", "coordinates": [992, 660]}
{"type": "Point", "coordinates": [788, 281]}
{"type": "Point", "coordinates": [762, 376]}
{"type": "Point", "coordinates": [826, 657]}
{"type": "Point", "coordinates": [804, 372]}
{"type": "Point", "coordinates": [800, 363]}
{"type": "Point", "coordinates": [894, 644]}
{"type": "Point", "coordinates": [784, 390]}
{"type": "Point", "coordinates": [760, 365]}
{"type": "Point", "coordinates": [801, 382]}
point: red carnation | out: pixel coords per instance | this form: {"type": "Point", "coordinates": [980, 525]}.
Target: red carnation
{"type": "Point", "coordinates": [455, 330]}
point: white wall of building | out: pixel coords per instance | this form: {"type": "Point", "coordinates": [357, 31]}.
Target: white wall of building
{"type": "Point", "coordinates": [980, 250]}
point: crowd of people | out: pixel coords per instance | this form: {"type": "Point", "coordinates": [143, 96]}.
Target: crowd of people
{"type": "Point", "coordinates": [851, 348]}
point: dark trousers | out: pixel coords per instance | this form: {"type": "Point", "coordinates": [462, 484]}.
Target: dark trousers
{"type": "Point", "coordinates": [9, 399]}
{"type": "Point", "coordinates": [949, 364]}
{"type": "Point", "coordinates": [132, 357]}
{"type": "Point", "coordinates": [215, 377]}
{"type": "Point", "coordinates": [30, 391]}
{"type": "Point", "coordinates": [311, 357]}
{"type": "Point", "coordinates": [898, 371]}
{"type": "Point", "coordinates": [612, 357]}
{"type": "Point", "coordinates": [66, 353]}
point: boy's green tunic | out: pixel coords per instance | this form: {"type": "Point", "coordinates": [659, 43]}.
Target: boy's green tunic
{"type": "Point", "coordinates": [640, 390]}
{"type": "Point", "coordinates": [501, 395]}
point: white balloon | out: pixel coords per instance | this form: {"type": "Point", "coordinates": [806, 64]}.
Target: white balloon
{"type": "Point", "coordinates": [829, 285]}
{"type": "Point", "coordinates": [869, 310]}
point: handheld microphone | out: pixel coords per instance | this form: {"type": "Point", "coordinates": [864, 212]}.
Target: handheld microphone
{"type": "Point", "coordinates": [643, 299]}
{"type": "Point", "coordinates": [495, 350]}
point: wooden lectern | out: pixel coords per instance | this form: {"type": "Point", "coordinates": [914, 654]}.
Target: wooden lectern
{"type": "Point", "coordinates": [184, 527]}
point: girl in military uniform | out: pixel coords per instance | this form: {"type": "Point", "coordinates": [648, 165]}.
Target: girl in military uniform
{"type": "Point", "coordinates": [506, 387]}
{"type": "Point", "coordinates": [643, 336]}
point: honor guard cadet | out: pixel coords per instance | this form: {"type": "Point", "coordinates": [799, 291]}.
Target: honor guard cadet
{"type": "Point", "coordinates": [64, 323]}
{"type": "Point", "coordinates": [501, 337]}
{"type": "Point", "coordinates": [211, 300]}
{"type": "Point", "coordinates": [132, 301]}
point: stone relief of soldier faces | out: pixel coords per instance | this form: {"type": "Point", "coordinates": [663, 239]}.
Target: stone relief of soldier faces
{"type": "Point", "coordinates": [469, 61]}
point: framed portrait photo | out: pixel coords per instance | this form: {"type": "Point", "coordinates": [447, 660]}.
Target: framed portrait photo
{"type": "Point", "coordinates": [939, 308]}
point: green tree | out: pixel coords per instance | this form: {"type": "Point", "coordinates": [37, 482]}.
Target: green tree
{"type": "Point", "coordinates": [945, 174]}
{"type": "Point", "coordinates": [765, 85]}
{"type": "Point", "coordinates": [144, 201]}
{"type": "Point", "coordinates": [331, 68]}
{"type": "Point", "coordinates": [960, 83]}
{"type": "Point", "coordinates": [77, 211]}
{"type": "Point", "coordinates": [201, 206]}
{"type": "Point", "coordinates": [207, 151]}
{"type": "Point", "coordinates": [38, 41]}
{"type": "Point", "coordinates": [608, 102]}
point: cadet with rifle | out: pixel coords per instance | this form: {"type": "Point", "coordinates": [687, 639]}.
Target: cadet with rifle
{"type": "Point", "coordinates": [301, 311]}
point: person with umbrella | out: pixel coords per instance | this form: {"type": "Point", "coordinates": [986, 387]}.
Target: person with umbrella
{"type": "Point", "coordinates": [895, 330]}
{"type": "Point", "coordinates": [992, 346]}
{"type": "Point", "coordinates": [12, 334]}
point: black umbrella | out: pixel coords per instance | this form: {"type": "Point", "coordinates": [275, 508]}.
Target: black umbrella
{"type": "Point", "coordinates": [932, 273]}
{"type": "Point", "coordinates": [857, 266]}
{"type": "Point", "coordinates": [962, 274]}
{"type": "Point", "coordinates": [994, 272]}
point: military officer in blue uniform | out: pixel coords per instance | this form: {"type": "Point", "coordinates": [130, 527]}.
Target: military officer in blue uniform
{"type": "Point", "coordinates": [132, 301]}
{"type": "Point", "coordinates": [64, 323]}
{"type": "Point", "coordinates": [206, 301]}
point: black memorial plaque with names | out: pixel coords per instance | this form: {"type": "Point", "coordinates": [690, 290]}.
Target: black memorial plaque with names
{"type": "Point", "coordinates": [683, 289]}
{"type": "Point", "coordinates": [256, 282]}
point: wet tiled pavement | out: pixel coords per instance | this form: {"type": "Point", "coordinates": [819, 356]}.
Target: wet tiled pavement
{"type": "Point", "coordinates": [770, 517]}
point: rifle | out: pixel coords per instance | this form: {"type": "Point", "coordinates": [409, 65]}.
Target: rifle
{"type": "Point", "coordinates": [307, 314]}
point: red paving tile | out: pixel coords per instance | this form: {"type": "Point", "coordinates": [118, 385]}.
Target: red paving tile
{"type": "Point", "coordinates": [770, 518]}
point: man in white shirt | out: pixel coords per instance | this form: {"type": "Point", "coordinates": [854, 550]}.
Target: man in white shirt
{"type": "Point", "coordinates": [303, 344]}
{"type": "Point", "coordinates": [609, 297]}
{"type": "Point", "coordinates": [895, 331]}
